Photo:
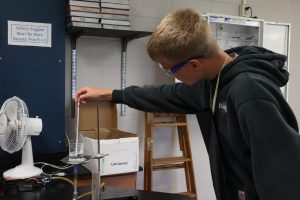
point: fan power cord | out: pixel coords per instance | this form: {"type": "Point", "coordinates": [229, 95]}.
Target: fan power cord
{"type": "Point", "coordinates": [54, 166]}
{"type": "Point", "coordinates": [44, 164]}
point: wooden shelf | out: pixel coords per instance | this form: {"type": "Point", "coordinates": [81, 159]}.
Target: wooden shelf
{"type": "Point", "coordinates": [100, 32]}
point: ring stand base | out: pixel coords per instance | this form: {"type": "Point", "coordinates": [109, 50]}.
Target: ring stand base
{"type": "Point", "coordinates": [75, 161]}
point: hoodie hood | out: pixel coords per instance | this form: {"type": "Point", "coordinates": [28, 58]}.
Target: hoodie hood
{"type": "Point", "coordinates": [257, 60]}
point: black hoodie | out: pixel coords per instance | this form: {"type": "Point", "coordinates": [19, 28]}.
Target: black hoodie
{"type": "Point", "coordinates": [256, 128]}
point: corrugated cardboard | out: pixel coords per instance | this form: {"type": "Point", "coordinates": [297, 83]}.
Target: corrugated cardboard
{"type": "Point", "coordinates": [107, 115]}
{"type": "Point", "coordinates": [122, 147]}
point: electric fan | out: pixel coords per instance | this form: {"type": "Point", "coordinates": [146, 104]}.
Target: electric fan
{"type": "Point", "coordinates": [16, 129]}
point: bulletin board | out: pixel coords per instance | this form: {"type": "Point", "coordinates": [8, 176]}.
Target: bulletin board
{"type": "Point", "coordinates": [36, 73]}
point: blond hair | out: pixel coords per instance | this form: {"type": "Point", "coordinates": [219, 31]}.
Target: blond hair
{"type": "Point", "coordinates": [182, 34]}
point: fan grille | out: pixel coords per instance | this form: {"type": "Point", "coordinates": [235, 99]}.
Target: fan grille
{"type": "Point", "coordinates": [15, 133]}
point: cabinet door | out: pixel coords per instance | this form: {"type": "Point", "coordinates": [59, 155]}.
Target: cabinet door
{"type": "Point", "coordinates": [276, 37]}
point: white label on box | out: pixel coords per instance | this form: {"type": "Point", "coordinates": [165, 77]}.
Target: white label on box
{"type": "Point", "coordinates": [123, 155]}
{"type": "Point", "coordinates": [117, 162]}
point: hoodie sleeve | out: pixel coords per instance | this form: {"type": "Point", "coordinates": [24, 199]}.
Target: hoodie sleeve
{"type": "Point", "coordinates": [175, 98]}
{"type": "Point", "coordinates": [275, 149]}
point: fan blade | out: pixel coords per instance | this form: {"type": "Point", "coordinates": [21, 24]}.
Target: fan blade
{"type": "Point", "coordinates": [3, 123]}
{"type": "Point", "coordinates": [12, 110]}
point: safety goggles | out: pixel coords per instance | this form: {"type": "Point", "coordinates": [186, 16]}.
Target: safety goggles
{"type": "Point", "coordinates": [172, 70]}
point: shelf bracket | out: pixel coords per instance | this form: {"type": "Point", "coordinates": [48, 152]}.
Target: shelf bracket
{"type": "Point", "coordinates": [73, 73]}
{"type": "Point", "coordinates": [123, 71]}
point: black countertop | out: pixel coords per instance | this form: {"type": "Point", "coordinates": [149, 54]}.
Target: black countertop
{"type": "Point", "coordinates": [61, 190]}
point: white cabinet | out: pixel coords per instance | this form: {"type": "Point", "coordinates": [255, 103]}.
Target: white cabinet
{"type": "Point", "coordinates": [233, 31]}
{"type": "Point", "coordinates": [276, 37]}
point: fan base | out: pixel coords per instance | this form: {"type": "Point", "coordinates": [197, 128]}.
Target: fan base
{"type": "Point", "coordinates": [22, 172]}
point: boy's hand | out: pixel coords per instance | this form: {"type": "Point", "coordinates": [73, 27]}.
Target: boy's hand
{"type": "Point", "coordinates": [87, 94]}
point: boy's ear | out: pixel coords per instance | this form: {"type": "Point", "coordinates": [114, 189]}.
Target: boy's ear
{"type": "Point", "coordinates": [197, 64]}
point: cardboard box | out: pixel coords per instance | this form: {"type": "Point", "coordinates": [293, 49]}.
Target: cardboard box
{"type": "Point", "coordinates": [107, 115]}
{"type": "Point", "coordinates": [122, 147]}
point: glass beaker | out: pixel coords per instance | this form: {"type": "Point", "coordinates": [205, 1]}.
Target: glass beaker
{"type": "Point", "coordinates": [76, 149]}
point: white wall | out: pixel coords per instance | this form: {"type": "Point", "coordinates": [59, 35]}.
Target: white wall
{"type": "Point", "coordinates": [99, 66]}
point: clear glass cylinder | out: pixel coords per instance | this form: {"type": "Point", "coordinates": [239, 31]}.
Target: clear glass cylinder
{"type": "Point", "coordinates": [76, 148]}
{"type": "Point", "coordinates": [96, 186]}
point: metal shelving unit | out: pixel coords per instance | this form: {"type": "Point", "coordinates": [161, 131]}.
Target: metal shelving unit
{"type": "Point", "coordinates": [124, 35]}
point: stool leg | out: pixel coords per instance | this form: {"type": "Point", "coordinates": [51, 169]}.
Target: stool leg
{"type": "Point", "coordinates": [148, 154]}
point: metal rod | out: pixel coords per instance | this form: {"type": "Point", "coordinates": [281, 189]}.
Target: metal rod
{"type": "Point", "coordinates": [98, 134]}
{"type": "Point", "coordinates": [99, 159]}
{"type": "Point", "coordinates": [75, 192]}
{"type": "Point", "coordinates": [77, 132]}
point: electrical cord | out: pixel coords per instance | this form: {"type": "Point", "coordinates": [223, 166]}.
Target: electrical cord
{"type": "Point", "coordinates": [44, 164]}
{"type": "Point", "coordinates": [63, 178]}
{"type": "Point", "coordinates": [102, 186]}
{"type": "Point", "coordinates": [54, 166]}
{"type": "Point", "coordinates": [84, 194]}
{"type": "Point", "coordinates": [251, 15]}
{"type": "Point", "coordinates": [249, 8]}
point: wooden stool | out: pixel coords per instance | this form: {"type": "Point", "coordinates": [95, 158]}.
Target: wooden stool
{"type": "Point", "coordinates": [185, 161]}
